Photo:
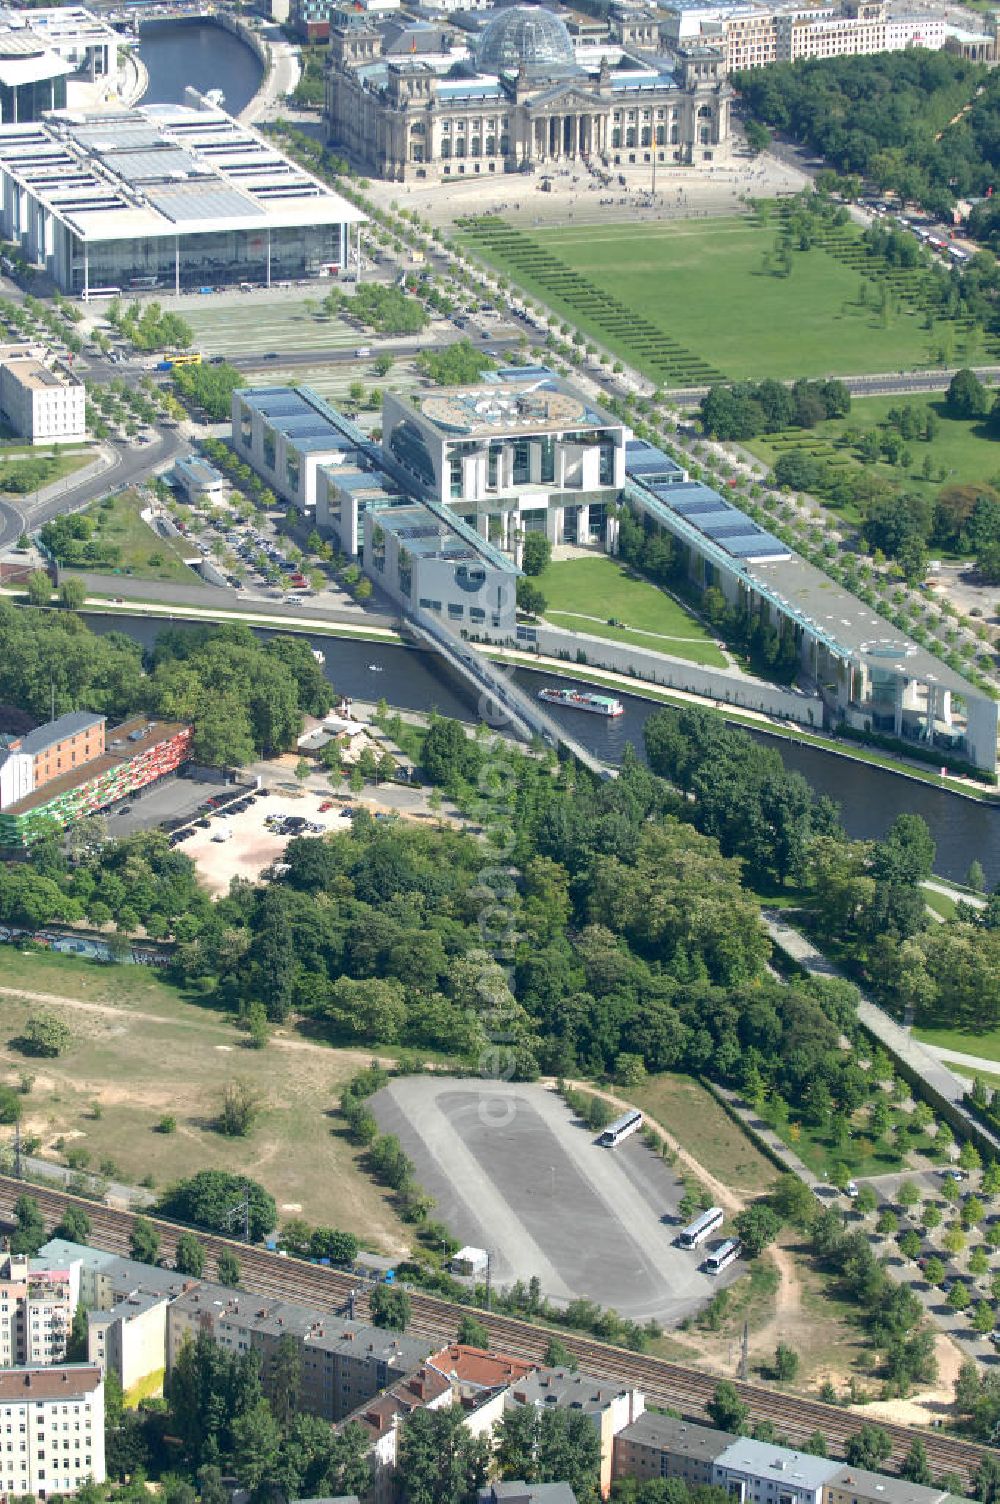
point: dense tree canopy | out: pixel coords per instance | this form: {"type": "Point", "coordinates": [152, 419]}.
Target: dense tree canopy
{"type": "Point", "coordinates": [244, 696]}
{"type": "Point", "coordinates": [886, 118]}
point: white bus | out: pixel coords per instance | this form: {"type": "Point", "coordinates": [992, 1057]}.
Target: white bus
{"type": "Point", "coordinates": [620, 1128]}
{"type": "Point", "coordinates": [720, 1258]}
{"type": "Point", "coordinates": [91, 294]}
{"type": "Point", "coordinates": [701, 1228]}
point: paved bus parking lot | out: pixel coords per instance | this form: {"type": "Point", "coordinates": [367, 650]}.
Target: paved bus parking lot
{"type": "Point", "coordinates": [514, 1172]}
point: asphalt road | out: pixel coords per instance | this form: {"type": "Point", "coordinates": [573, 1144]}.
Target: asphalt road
{"type": "Point", "coordinates": [11, 524]}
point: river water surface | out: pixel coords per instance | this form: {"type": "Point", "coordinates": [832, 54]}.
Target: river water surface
{"type": "Point", "coordinates": [195, 52]}
{"type": "Point", "coordinates": [869, 797]}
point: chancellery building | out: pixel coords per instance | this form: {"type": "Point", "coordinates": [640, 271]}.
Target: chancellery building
{"type": "Point", "coordinates": [517, 96]}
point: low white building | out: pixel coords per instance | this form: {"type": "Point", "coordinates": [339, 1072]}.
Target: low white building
{"type": "Point", "coordinates": [470, 1261]}
{"type": "Point", "coordinates": [55, 1419]}
{"type": "Point", "coordinates": [758, 1472]}
{"type": "Point", "coordinates": [201, 482]}
{"type": "Point", "coordinates": [40, 397]}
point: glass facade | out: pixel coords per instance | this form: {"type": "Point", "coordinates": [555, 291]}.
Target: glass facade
{"type": "Point", "coordinates": [528, 35]}
{"type": "Point", "coordinates": [209, 257]}
{"type": "Point", "coordinates": [406, 443]}
{"type": "Point", "coordinates": [21, 102]}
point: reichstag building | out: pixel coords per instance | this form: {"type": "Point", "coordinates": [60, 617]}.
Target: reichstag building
{"type": "Point", "coordinates": [517, 97]}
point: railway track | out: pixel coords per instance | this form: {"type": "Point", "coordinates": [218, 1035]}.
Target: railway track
{"type": "Point", "coordinates": [664, 1383]}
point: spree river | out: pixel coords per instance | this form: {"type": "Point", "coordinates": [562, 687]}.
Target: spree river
{"type": "Point", "coordinates": [195, 52]}
{"type": "Point", "coordinates": [869, 797]}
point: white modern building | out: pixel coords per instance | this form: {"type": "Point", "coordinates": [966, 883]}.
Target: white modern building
{"type": "Point", "coordinates": [758, 1472]}
{"type": "Point", "coordinates": [52, 1422]}
{"type": "Point", "coordinates": [167, 196]}
{"type": "Point", "coordinates": [754, 35]}
{"type": "Point", "coordinates": [520, 452]}
{"type": "Point", "coordinates": [36, 1311]}
{"type": "Point", "coordinates": [871, 676]}
{"type": "Point", "coordinates": [44, 51]}
{"type": "Point", "coordinates": [429, 560]}
{"type": "Point", "coordinates": [289, 434]}
{"type": "Point", "coordinates": [40, 397]}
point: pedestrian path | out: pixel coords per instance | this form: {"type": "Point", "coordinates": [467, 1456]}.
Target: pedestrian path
{"type": "Point", "coordinates": [960, 1058]}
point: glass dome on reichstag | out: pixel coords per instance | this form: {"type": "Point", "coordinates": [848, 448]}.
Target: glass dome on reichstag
{"type": "Point", "coordinates": [527, 34]}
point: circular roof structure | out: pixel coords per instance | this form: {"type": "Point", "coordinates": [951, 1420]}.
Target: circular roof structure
{"type": "Point", "coordinates": [528, 35]}
{"type": "Point", "coordinates": [21, 43]}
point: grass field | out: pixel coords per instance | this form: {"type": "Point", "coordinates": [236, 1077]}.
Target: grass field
{"type": "Point", "coordinates": [703, 286]}
{"type": "Point", "coordinates": [583, 594]}
{"type": "Point", "coordinates": [141, 1051]}
{"type": "Point", "coordinates": [820, 1152]}
{"type": "Point", "coordinates": [965, 1042]}
{"type": "Point", "coordinates": [941, 904]}
{"type": "Point", "coordinates": [694, 1117]}
{"type": "Point", "coordinates": [121, 524]}
{"type": "Point", "coordinates": [990, 1078]}
{"type": "Point", "coordinates": [962, 448]}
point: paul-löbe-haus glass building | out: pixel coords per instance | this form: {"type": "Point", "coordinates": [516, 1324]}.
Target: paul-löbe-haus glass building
{"type": "Point", "coordinates": [166, 196]}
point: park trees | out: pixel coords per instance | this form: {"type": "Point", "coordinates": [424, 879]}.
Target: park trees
{"type": "Point", "coordinates": [390, 1307]}
{"type": "Point", "coordinates": [552, 1447]}
{"type": "Point", "coordinates": [29, 1226]}
{"type": "Point", "coordinates": [757, 1225]}
{"type": "Point", "coordinates": [440, 1462]}
{"type": "Point", "coordinates": [189, 1255]}
{"type": "Point", "coordinates": [44, 1035]}
{"type": "Point", "coordinates": [39, 588]}
{"type": "Point", "coordinates": [726, 1410]}
{"type": "Point", "coordinates": [220, 1202]}
{"type": "Point", "coordinates": [536, 551]}
{"type": "Point", "coordinates": [966, 396]}
{"type": "Point", "coordinates": [74, 1225]}
{"type": "Point", "coordinates": [241, 1104]}
{"type": "Point", "coordinates": [144, 1241]}
{"type": "Point", "coordinates": [869, 1447]}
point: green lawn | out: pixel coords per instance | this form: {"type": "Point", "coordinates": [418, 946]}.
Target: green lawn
{"type": "Point", "coordinates": [940, 903]}
{"type": "Point", "coordinates": [989, 1078]}
{"type": "Point", "coordinates": [963, 1041]}
{"type": "Point", "coordinates": [963, 448]}
{"type": "Point", "coordinates": [141, 551]}
{"type": "Point", "coordinates": [818, 1150]}
{"type": "Point", "coordinates": [703, 288]}
{"type": "Point", "coordinates": [582, 595]}
{"type": "Point", "coordinates": [687, 1110]}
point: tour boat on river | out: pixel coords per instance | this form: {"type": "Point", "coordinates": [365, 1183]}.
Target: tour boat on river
{"type": "Point", "coordinates": [575, 699]}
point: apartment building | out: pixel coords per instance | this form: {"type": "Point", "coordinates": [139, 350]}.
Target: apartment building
{"type": "Point", "coordinates": [609, 1406]}
{"type": "Point", "coordinates": [857, 1485]}
{"type": "Point", "coordinates": [51, 1429]}
{"type": "Point", "coordinates": [754, 35]}
{"type": "Point", "coordinates": [425, 1389]}
{"type": "Point", "coordinates": [36, 1311]}
{"type": "Point", "coordinates": [657, 1446]}
{"type": "Point", "coordinates": [479, 1382]}
{"type": "Point", "coordinates": [753, 1472]}
{"type": "Point", "coordinates": [41, 398]}
{"type": "Point", "coordinates": [126, 1304]}
{"type": "Point", "coordinates": [343, 1364]}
